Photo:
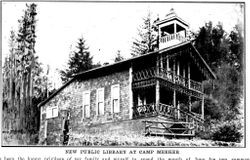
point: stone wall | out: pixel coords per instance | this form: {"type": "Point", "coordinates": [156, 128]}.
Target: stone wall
{"type": "Point", "coordinates": [70, 99]}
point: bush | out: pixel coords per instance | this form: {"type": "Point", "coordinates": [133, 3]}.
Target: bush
{"type": "Point", "coordinates": [228, 132]}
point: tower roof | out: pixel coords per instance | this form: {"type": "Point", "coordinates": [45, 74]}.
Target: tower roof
{"type": "Point", "coordinates": [171, 16]}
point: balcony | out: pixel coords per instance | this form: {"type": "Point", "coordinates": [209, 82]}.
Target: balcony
{"type": "Point", "coordinates": [171, 39]}
{"type": "Point", "coordinates": [167, 75]}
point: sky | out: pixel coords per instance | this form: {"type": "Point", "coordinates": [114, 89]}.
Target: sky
{"type": "Point", "coordinates": [106, 27]}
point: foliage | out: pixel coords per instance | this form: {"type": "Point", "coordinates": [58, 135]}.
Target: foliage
{"type": "Point", "coordinates": [235, 58]}
{"type": "Point", "coordinates": [22, 77]}
{"type": "Point", "coordinates": [119, 57]}
{"type": "Point", "coordinates": [223, 52]}
{"type": "Point", "coordinates": [147, 37]}
{"type": "Point", "coordinates": [79, 61]}
{"type": "Point", "coordinates": [228, 131]}
{"type": "Point", "coordinates": [209, 42]}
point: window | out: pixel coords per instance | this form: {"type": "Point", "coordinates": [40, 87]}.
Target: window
{"type": "Point", "coordinates": [115, 98]}
{"type": "Point", "coordinates": [100, 101]}
{"type": "Point", "coordinates": [86, 105]}
{"type": "Point", "coordinates": [51, 112]}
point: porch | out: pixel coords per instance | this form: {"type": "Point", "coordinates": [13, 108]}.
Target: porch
{"type": "Point", "coordinates": [169, 121]}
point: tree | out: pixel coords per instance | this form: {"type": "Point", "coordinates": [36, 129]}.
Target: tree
{"type": "Point", "coordinates": [235, 57]}
{"type": "Point", "coordinates": [209, 42]}
{"type": "Point", "coordinates": [22, 75]}
{"type": "Point", "coordinates": [223, 52]}
{"type": "Point", "coordinates": [79, 61]}
{"type": "Point", "coordinates": [26, 61]}
{"type": "Point", "coordinates": [119, 57]}
{"type": "Point", "coordinates": [147, 37]}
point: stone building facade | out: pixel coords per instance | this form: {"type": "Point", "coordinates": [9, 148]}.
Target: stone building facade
{"type": "Point", "coordinates": [160, 93]}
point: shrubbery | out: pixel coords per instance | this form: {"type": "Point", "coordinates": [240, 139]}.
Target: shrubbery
{"type": "Point", "coordinates": [228, 132]}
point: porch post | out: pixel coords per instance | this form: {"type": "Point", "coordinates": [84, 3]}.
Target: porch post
{"type": "Point", "coordinates": [178, 68]}
{"type": "Point", "coordinates": [184, 70]}
{"type": "Point", "coordinates": [202, 102]}
{"type": "Point", "coordinates": [174, 70]}
{"type": "Point", "coordinates": [174, 100]}
{"type": "Point", "coordinates": [157, 94]}
{"type": "Point", "coordinates": [178, 110]}
{"type": "Point", "coordinates": [188, 75]}
{"type": "Point", "coordinates": [189, 104]}
{"type": "Point", "coordinates": [157, 85]}
{"type": "Point", "coordinates": [161, 61]}
{"type": "Point", "coordinates": [45, 128]}
{"type": "Point", "coordinates": [130, 93]}
{"type": "Point", "coordinates": [167, 61]}
{"type": "Point", "coordinates": [202, 107]}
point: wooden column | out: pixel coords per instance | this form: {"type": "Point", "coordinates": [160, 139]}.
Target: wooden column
{"type": "Point", "coordinates": [130, 93]}
{"type": "Point", "coordinates": [178, 110]}
{"type": "Point", "coordinates": [189, 98]}
{"type": "Point", "coordinates": [202, 107]}
{"type": "Point", "coordinates": [189, 75]}
{"type": "Point", "coordinates": [138, 99]}
{"type": "Point", "coordinates": [189, 104]}
{"type": "Point", "coordinates": [161, 61]}
{"type": "Point", "coordinates": [45, 128]}
{"type": "Point", "coordinates": [174, 99]}
{"type": "Point", "coordinates": [157, 93]}
{"type": "Point", "coordinates": [174, 70]}
{"type": "Point", "coordinates": [178, 105]}
{"type": "Point", "coordinates": [167, 63]}
{"type": "Point", "coordinates": [178, 68]}
{"type": "Point", "coordinates": [157, 85]}
{"type": "Point", "coordinates": [202, 102]}
{"type": "Point", "coordinates": [184, 70]}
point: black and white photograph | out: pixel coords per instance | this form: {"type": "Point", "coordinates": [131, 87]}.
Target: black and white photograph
{"type": "Point", "coordinates": [123, 74]}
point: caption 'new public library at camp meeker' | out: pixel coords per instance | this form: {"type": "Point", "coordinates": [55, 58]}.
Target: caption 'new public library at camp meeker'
{"type": "Point", "coordinates": [159, 93]}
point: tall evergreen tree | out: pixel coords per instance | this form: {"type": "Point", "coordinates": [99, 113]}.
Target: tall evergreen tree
{"type": "Point", "coordinates": [22, 73]}
{"type": "Point", "coordinates": [235, 57]}
{"type": "Point", "coordinates": [79, 61]}
{"type": "Point", "coordinates": [209, 43]}
{"type": "Point", "coordinates": [147, 37]}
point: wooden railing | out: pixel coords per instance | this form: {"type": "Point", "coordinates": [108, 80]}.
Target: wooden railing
{"type": "Point", "coordinates": [167, 75]}
{"type": "Point", "coordinates": [148, 110]}
{"type": "Point", "coordinates": [170, 37]}
{"type": "Point", "coordinates": [195, 85]}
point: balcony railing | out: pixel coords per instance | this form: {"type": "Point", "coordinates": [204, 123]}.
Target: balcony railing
{"type": "Point", "coordinates": [166, 75]}
{"type": "Point", "coordinates": [175, 36]}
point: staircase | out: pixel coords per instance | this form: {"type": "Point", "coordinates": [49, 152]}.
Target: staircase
{"type": "Point", "coordinates": [169, 129]}
{"type": "Point", "coordinates": [167, 124]}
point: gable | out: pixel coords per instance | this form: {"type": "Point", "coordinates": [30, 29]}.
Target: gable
{"type": "Point", "coordinates": [187, 50]}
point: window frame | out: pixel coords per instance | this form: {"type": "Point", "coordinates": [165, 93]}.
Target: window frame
{"type": "Point", "coordinates": [49, 112]}
{"type": "Point", "coordinates": [86, 105]}
{"type": "Point", "coordinates": [113, 97]}
{"type": "Point", "coordinates": [100, 110]}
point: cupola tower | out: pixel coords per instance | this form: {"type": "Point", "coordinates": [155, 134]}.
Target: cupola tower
{"type": "Point", "coordinates": [172, 30]}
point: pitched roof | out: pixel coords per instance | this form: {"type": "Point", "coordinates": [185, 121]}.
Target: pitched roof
{"type": "Point", "coordinates": [125, 64]}
{"type": "Point", "coordinates": [170, 16]}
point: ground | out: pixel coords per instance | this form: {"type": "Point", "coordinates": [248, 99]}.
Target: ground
{"type": "Point", "coordinates": [131, 140]}
{"type": "Point", "coordinates": [127, 141]}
